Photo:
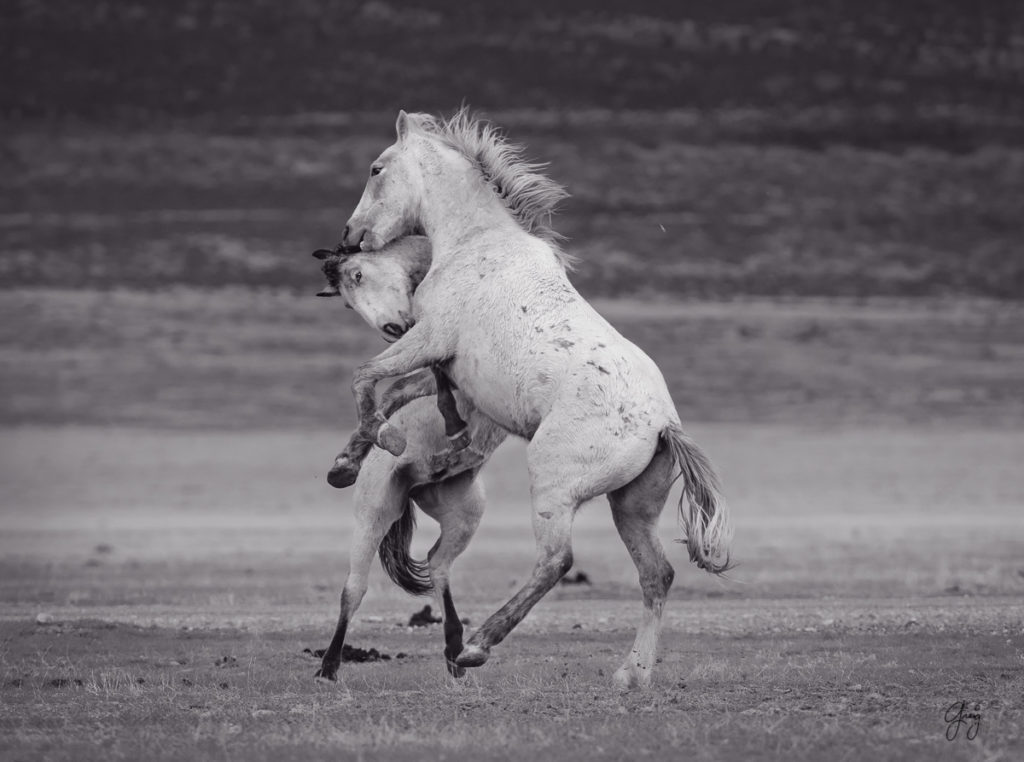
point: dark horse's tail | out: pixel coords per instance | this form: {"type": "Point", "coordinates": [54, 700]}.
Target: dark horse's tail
{"type": "Point", "coordinates": [702, 512]}
{"type": "Point", "coordinates": [408, 573]}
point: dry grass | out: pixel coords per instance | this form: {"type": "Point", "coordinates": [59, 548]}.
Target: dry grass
{"type": "Point", "coordinates": [792, 696]}
{"type": "Point", "coordinates": [185, 572]}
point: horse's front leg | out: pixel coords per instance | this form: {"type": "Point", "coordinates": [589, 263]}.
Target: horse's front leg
{"type": "Point", "coordinates": [405, 390]}
{"type": "Point", "coordinates": [417, 349]}
{"type": "Point", "coordinates": [348, 462]}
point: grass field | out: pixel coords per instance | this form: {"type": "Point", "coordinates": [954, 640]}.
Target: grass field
{"type": "Point", "coordinates": [184, 574]}
{"type": "Point", "coordinates": [164, 508]}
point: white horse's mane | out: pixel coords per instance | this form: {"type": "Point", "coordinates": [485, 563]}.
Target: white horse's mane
{"type": "Point", "coordinates": [531, 196]}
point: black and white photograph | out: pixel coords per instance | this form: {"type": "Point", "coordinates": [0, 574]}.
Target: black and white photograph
{"type": "Point", "coordinates": [436, 380]}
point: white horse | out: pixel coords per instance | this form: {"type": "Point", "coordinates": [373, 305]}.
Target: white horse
{"type": "Point", "coordinates": [443, 482]}
{"type": "Point", "coordinates": [531, 354]}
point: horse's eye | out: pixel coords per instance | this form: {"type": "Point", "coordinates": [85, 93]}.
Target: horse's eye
{"type": "Point", "coordinates": [357, 276]}
{"type": "Point", "coordinates": [375, 170]}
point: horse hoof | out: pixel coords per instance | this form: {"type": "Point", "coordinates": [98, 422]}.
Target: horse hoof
{"type": "Point", "coordinates": [326, 675]}
{"type": "Point", "coordinates": [472, 656]}
{"type": "Point", "coordinates": [391, 439]}
{"type": "Point", "coordinates": [455, 670]}
{"type": "Point", "coordinates": [627, 678]}
{"type": "Point", "coordinates": [343, 473]}
{"type": "Point", "coordinates": [460, 441]}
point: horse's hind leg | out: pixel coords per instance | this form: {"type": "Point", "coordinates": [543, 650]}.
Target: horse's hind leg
{"type": "Point", "coordinates": [635, 509]}
{"type": "Point", "coordinates": [381, 496]}
{"type": "Point", "coordinates": [554, 508]}
{"type": "Point", "coordinates": [457, 504]}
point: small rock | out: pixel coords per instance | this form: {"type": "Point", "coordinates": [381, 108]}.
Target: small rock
{"type": "Point", "coordinates": [44, 618]}
{"type": "Point", "coordinates": [423, 618]}
{"type": "Point", "coordinates": [580, 578]}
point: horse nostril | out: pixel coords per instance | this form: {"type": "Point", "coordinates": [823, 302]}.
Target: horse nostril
{"type": "Point", "coordinates": [394, 329]}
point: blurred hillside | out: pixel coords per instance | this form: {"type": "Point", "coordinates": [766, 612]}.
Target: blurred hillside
{"type": "Point", "coordinates": [712, 149]}
{"type": "Point", "coordinates": [917, 71]}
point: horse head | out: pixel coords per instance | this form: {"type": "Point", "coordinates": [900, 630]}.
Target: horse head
{"type": "Point", "coordinates": [379, 285]}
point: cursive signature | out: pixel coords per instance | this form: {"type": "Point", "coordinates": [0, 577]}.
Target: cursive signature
{"type": "Point", "coordinates": [960, 715]}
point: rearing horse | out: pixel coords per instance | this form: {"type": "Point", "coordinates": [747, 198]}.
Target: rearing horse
{"type": "Point", "coordinates": [497, 307]}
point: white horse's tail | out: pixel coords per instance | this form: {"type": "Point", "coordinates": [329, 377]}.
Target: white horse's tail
{"type": "Point", "coordinates": [702, 511]}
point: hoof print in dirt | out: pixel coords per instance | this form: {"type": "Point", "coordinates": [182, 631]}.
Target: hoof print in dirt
{"type": "Point", "coordinates": [424, 618]}
{"type": "Point", "coordinates": [579, 578]}
{"type": "Point", "coordinates": [64, 682]}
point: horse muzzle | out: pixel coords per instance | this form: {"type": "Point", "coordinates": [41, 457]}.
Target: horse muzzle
{"type": "Point", "coordinates": [351, 240]}
{"type": "Point", "coordinates": [393, 331]}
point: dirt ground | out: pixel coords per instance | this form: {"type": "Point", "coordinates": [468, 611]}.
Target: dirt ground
{"type": "Point", "coordinates": [180, 576]}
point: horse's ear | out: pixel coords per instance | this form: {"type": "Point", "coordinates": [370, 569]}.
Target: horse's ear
{"type": "Point", "coordinates": [402, 125]}
{"type": "Point", "coordinates": [323, 253]}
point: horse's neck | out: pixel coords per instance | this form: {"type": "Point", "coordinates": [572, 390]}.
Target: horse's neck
{"type": "Point", "coordinates": [464, 208]}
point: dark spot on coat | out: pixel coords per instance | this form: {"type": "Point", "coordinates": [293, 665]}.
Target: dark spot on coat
{"type": "Point", "coordinates": [523, 308]}
{"type": "Point", "coordinates": [563, 343]}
